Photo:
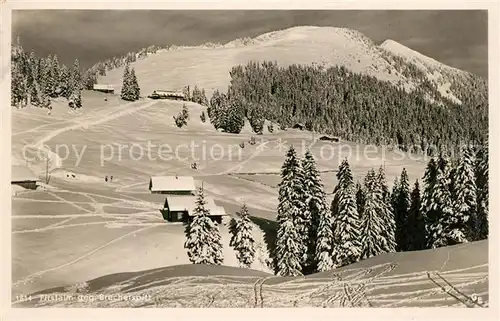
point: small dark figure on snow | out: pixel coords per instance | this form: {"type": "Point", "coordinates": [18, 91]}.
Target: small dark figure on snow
{"type": "Point", "coordinates": [111, 178]}
{"type": "Point", "coordinates": [106, 178]}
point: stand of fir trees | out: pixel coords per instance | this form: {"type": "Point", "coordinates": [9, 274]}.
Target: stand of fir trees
{"type": "Point", "coordinates": [368, 220]}
{"type": "Point", "coordinates": [242, 239]}
{"type": "Point", "coordinates": [226, 113]}
{"type": "Point", "coordinates": [36, 80]}
{"type": "Point", "coordinates": [338, 102]}
{"type": "Point", "coordinates": [203, 239]}
{"type": "Point", "coordinates": [130, 87]}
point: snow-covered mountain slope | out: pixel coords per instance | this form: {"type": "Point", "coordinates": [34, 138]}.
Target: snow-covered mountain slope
{"type": "Point", "coordinates": [440, 75]}
{"type": "Point", "coordinates": [208, 66]}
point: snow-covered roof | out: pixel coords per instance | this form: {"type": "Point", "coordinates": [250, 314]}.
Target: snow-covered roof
{"type": "Point", "coordinates": [188, 203]}
{"type": "Point", "coordinates": [172, 184]}
{"type": "Point", "coordinates": [103, 86]}
{"type": "Point", "coordinates": [169, 92]}
{"type": "Point", "coordinates": [23, 174]}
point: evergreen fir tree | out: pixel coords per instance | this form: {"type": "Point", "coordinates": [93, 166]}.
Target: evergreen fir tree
{"type": "Point", "coordinates": [395, 194]}
{"type": "Point", "coordinates": [325, 242]}
{"type": "Point", "coordinates": [187, 93]}
{"type": "Point", "coordinates": [415, 224]}
{"type": "Point", "coordinates": [18, 87]}
{"type": "Point", "coordinates": [242, 240]}
{"type": "Point", "coordinates": [134, 85]}
{"type": "Point", "coordinates": [64, 82]}
{"type": "Point", "coordinates": [218, 110]}
{"type": "Point", "coordinates": [203, 240]}
{"type": "Point", "coordinates": [204, 98]}
{"type": "Point", "coordinates": [46, 80]}
{"type": "Point", "coordinates": [34, 93]}
{"type": "Point", "coordinates": [256, 118]}
{"type": "Point", "coordinates": [196, 96]}
{"type": "Point", "coordinates": [314, 200]}
{"type": "Point", "coordinates": [387, 211]}
{"type": "Point", "coordinates": [76, 98]}
{"type": "Point", "coordinates": [290, 249]}
{"type": "Point", "coordinates": [401, 209]}
{"type": "Point", "coordinates": [127, 92]}
{"type": "Point", "coordinates": [430, 215]}
{"type": "Point", "coordinates": [451, 227]}
{"type": "Point", "coordinates": [55, 89]}
{"type": "Point", "coordinates": [360, 199]}
{"type": "Point", "coordinates": [45, 100]}
{"type": "Point", "coordinates": [347, 248]}
{"type": "Point", "coordinates": [374, 237]}
{"type": "Point", "coordinates": [465, 194]}
{"type": "Point", "coordinates": [234, 119]}
{"type": "Point", "coordinates": [76, 78]}
{"type": "Point", "coordinates": [482, 180]}
{"type": "Point", "coordinates": [185, 112]}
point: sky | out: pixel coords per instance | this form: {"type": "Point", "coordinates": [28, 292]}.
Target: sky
{"type": "Point", "coordinates": [456, 38]}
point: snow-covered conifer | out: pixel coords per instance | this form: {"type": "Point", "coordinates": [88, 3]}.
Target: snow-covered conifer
{"type": "Point", "coordinates": [136, 90]}
{"type": "Point", "coordinates": [325, 242]}
{"type": "Point", "coordinates": [465, 193]}
{"type": "Point", "coordinates": [347, 247]}
{"type": "Point", "coordinates": [127, 92]}
{"type": "Point", "coordinates": [414, 227]}
{"type": "Point", "coordinates": [203, 240]}
{"type": "Point", "coordinates": [290, 248]}
{"type": "Point", "coordinates": [387, 212]}
{"type": "Point", "coordinates": [431, 216]}
{"type": "Point", "coordinates": [375, 238]}
{"type": "Point", "coordinates": [401, 208]}
{"type": "Point", "coordinates": [451, 227]}
{"type": "Point", "coordinates": [314, 200]}
{"type": "Point", "coordinates": [243, 240]}
{"type": "Point", "coordinates": [360, 198]}
{"type": "Point", "coordinates": [482, 180]}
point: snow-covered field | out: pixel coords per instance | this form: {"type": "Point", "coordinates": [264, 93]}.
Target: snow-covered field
{"type": "Point", "coordinates": [455, 276]}
{"type": "Point", "coordinates": [79, 227]}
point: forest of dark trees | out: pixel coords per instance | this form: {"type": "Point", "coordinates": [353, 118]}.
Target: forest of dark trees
{"type": "Point", "coordinates": [355, 107]}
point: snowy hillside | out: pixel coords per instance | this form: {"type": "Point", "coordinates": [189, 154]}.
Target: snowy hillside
{"type": "Point", "coordinates": [208, 66]}
{"type": "Point", "coordinates": [445, 78]}
{"type": "Point", "coordinates": [455, 276]}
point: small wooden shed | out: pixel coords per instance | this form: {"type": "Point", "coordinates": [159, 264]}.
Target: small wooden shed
{"type": "Point", "coordinates": [24, 177]}
{"type": "Point", "coordinates": [328, 138]}
{"type": "Point", "coordinates": [104, 88]}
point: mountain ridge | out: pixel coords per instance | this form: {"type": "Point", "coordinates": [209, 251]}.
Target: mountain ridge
{"type": "Point", "coordinates": [303, 45]}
